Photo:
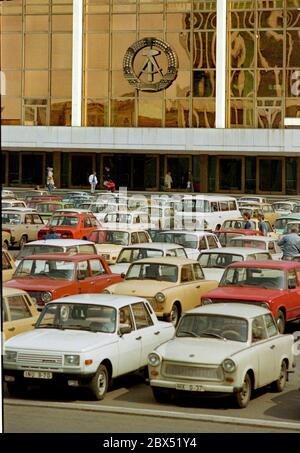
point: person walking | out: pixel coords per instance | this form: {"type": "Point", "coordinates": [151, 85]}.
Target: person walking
{"type": "Point", "coordinates": [190, 182]}
{"type": "Point", "coordinates": [93, 181]}
{"type": "Point", "coordinates": [262, 226]}
{"type": "Point", "coordinates": [168, 181]}
{"type": "Point", "coordinates": [290, 244]}
{"type": "Point", "coordinates": [248, 225]}
{"type": "Point", "coordinates": [50, 180]}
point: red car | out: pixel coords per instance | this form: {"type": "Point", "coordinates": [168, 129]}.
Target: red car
{"type": "Point", "coordinates": [71, 225]}
{"type": "Point", "coordinates": [271, 283]}
{"type": "Point", "coordinates": [225, 235]}
{"type": "Point", "coordinates": [48, 277]}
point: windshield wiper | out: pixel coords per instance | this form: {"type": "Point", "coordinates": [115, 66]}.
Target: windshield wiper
{"type": "Point", "coordinates": [79, 327]}
{"type": "Point", "coordinates": [188, 333]}
{"type": "Point", "coordinates": [50, 326]}
{"type": "Point", "coordinates": [211, 334]}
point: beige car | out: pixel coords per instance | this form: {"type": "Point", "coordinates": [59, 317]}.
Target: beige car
{"type": "Point", "coordinates": [172, 285]}
{"type": "Point", "coordinates": [6, 239]}
{"type": "Point", "coordinates": [18, 312]}
{"type": "Point", "coordinates": [8, 266]}
{"type": "Point", "coordinates": [109, 242]}
{"type": "Point", "coordinates": [23, 224]}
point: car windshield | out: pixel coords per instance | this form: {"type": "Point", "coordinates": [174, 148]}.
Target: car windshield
{"type": "Point", "coordinates": [109, 237]}
{"type": "Point", "coordinates": [290, 225]}
{"type": "Point", "coordinates": [254, 277]}
{"type": "Point", "coordinates": [215, 326]}
{"type": "Point", "coordinates": [185, 239]}
{"type": "Point", "coordinates": [11, 218]}
{"type": "Point", "coordinates": [282, 206]}
{"type": "Point", "coordinates": [233, 224]}
{"type": "Point", "coordinates": [134, 254]}
{"type": "Point", "coordinates": [64, 220]}
{"type": "Point", "coordinates": [280, 224]}
{"type": "Point", "coordinates": [97, 208]}
{"type": "Point", "coordinates": [153, 271]}
{"type": "Point", "coordinates": [248, 243]}
{"type": "Point", "coordinates": [195, 206]}
{"type": "Point", "coordinates": [45, 268]}
{"type": "Point", "coordinates": [220, 260]}
{"type": "Point", "coordinates": [28, 250]}
{"type": "Point", "coordinates": [48, 207]}
{"type": "Point", "coordinates": [70, 316]}
{"type": "Point", "coordinates": [296, 208]}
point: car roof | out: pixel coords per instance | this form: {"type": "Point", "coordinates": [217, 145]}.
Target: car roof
{"type": "Point", "coordinates": [196, 233]}
{"type": "Point", "coordinates": [62, 256]}
{"type": "Point", "coordinates": [11, 291]}
{"type": "Point", "coordinates": [155, 245]}
{"type": "Point", "coordinates": [121, 230]}
{"type": "Point", "coordinates": [168, 260]}
{"type": "Point", "coordinates": [59, 242]}
{"type": "Point", "coordinates": [234, 250]}
{"type": "Point", "coordinates": [290, 216]}
{"type": "Point", "coordinates": [20, 210]}
{"type": "Point", "coordinates": [71, 211]}
{"type": "Point", "coordinates": [111, 300]}
{"type": "Point", "coordinates": [247, 311]}
{"type": "Point", "coordinates": [270, 264]}
{"type": "Point", "coordinates": [255, 238]}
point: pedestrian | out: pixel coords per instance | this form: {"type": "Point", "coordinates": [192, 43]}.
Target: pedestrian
{"type": "Point", "coordinates": [290, 244]}
{"type": "Point", "coordinates": [52, 234]}
{"type": "Point", "coordinates": [50, 180]}
{"type": "Point", "coordinates": [262, 226]}
{"type": "Point", "coordinates": [168, 181]}
{"type": "Point", "coordinates": [107, 180]}
{"type": "Point", "coordinates": [190, 182]}
{"type": "Point", "coordinates": [249, 224]}
{"type": "Point", "coordinates": [93, 181]}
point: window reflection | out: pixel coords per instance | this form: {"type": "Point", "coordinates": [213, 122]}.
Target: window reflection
{"type": "Point", "coordinates": [123, 112]}
{"type": "Point", "coordinates": [203, 113]}
{"type": "Point", "coordinates": [60, 112]}
{"type": "Point", "coordinates": [96, 112]}
{"type": "Point", "coordinates": [177, 113]}
{"type": "Point", "coordinates": [149, 113]}
{"type": "Point", "coordinates": [10, 111]}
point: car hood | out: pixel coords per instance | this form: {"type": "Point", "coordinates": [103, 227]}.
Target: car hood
{"type": "Point", "coordinates": [109, 248]}
{"type": "Point", "coordinates": [59, 340]}
{"type": "Point", "coordinates": [213, 273]}
{"type": "Point", "coordinates": [199, 350]}
{"type": "Point", "coordinates": [119, 268]}
{"type": "Point", "coordinates": [142, 288]}
{"type": "Point", "coordinates": [41, 284]}
{"type": "Point", "coordinates": [239, 293]}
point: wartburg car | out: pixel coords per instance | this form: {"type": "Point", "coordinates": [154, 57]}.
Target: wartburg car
{"type": "Point", "coordinates": [85, 340]}
{"type": "Point", "coordinates": [224, 348]}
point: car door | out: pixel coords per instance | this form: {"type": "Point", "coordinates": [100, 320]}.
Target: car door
{"type": "Point", "coordinates": [8, 267]}
{"type": "Point", "coordinates": [263, 348]}
{"type": "Point", "coordinates": [293, 297]}
{"type": "Point", "coordinates": [98, 278]}
{"type": "Point", "coordinates": [84, 280]}
{"type": "Point", "coordinates": [191, 286]}
{"type": "Point", "coordinates": [147, 332]}
{"type": "Point", "coordinates": [29, 227]}
{"type": "Point", "coordinates": [129, 344]}
{"type": "Point", "coordinates": [19, 313]}
{"type": "Point", "coordinates": [38, 223]}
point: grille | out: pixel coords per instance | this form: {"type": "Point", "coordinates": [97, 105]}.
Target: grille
{"type": "Point", "coordinates": [36, 295]}
{"type": "Point", "coordinates": [238, 301]}
{"type": "Point", "coordinates": [192, 372]}
{"type": "Point", "coordinates": [39, 360]}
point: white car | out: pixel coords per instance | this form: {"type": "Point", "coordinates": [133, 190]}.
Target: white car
{"type": "Point", "coordinates": [214, 261]}
{"type": "Point", "coordinates": [84, 340]}
{"type": "Point", "coordinates": [148, 250]}
{"type": "Point", "coordinates": [128, 220]}
{"type": "Point", "coordinates": [264, 243]}
{"type": "Point", "coordinates": [284, 207]}
{"type": "Point", "coordinates": [194, 242]}
{"type": "Point", "coordinates": [223, 348]}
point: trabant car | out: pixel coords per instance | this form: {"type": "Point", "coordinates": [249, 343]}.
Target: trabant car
{"type": "Point", "coordinates": [110, 242]}
{"type": "Point", "coordinates": [56, 246]}
{"type": "Point", "coordinates": [7, 203]}
{"type": "Point", "coordinates": [263, 243]}
{"type": "Point", "coordinates": [128, 220]}
{"type": "Point", "coordinates": [8, 265]}
{"type": "Point", "coordinates": [85, 340]}
{"type": "Point", "coordinates": [71, 225]}
{"type": "Point", "coordinates": [281, 223]}
{"type": "Point", "coordinates": [136, 252]}
{"type": "Point", "coordinates": [239, 224]}
{"type": "Point", "coordinates": [290, 225]}
{"type": "Point", "coordinates": [214, 261]}
{"type": "Point", "coordinates": [47, 208]}
{"type": "Point", "coordinates": [193, 241]}
{"type": "Point", "coordinates": [7, 194]}
{"type": "Point", "coordinates": [171, 285]}
{"type": "Point", "coordinates": [48, 277]}
{"type": "Point", "coordinates": [19, 312]}
{"type": "Point", "coordinates": [252, 199]}
{"type": "Point", "coordinates": [23, 224]}
{"type": "Point", "coordinates": [273, 284]}
{"type": "Point", "coordinates": [161, 216]}
{"type": "Point", "coordinates": [6, 238]}
{"type": "Point", "coordinates": [223, 348]}
{"type": "Point", "coordinates": [284, 207]}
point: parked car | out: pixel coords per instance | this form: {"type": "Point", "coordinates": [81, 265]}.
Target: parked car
{"type": "Point", "coordinates": [262, 208]}
{"type": "Point", "coordinates": [224, 348]}
{"type": "Point", "coordinates": [225, 236]}
{"type": "Point", "coordinates": [23, 224]}
{"type": "Point", "coordinates": [71, 225]}
{"type": "Point", "coordinates": [273, 284]}
{"type": "Point", "coordinates": [7, 194]}
{"type": "Point", "coordinates": [214, 261]}
{"type": "Point", "coordinates": [56, 246]}
{"type": "Point", "coordinates": [6, 238]}
{"type": "Point", "coordinates": [109, 242]}
{"type": "Point", "coordinates": [100, 209]}
{"type": "Point", "coordinates": [261, 242]}
{"type": "Point", "coordinates": [290, 225]}
{"type": "Point", "coordinates": [127, 220]}
{"type": "Point", "coordinates": [8, 265]}
{"type": "Point", "coordinates": [171, 285]}
{"type": "Point", "coordinates": [48, 277]}
{"type": "Point", "coordinates": [8, 203]}
{"type": "Point", "coordinates": [136, 252]}
{"type": "Point", "coordinates": [18, 311]}
{"type": "Point", "coordinates": [281, 223]}
{"type": "Point", "coordinates": [160, 216]}
{"type": "Point", "coordinates": [47, 208]}
{"type": "Point", "coordinates": [252, 199]}
{"type": "Point", "coordinates": [193, 241]}
{"type": "Point", "coordinates": [32, 201]}
{"type": "Point", "coordinates": [239, 224]}
{"type": "Point", "coordinates": [85, 340]}
{"type": "Point", "coordinates": [284, 207]}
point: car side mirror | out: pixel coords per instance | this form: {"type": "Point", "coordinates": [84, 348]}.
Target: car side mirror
{"type": "Point", "coordinates": [124, 329]}
{"type": "Point", "coordinates": [123, 275]}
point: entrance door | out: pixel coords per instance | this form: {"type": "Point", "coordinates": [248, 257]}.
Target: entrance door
{"type": "Point", "coordinates": [179, 167]}
{"type": "Point", "coordinates": [144, 172]}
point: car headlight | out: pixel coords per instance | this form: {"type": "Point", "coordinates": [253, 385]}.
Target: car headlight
{"type": "Point", "coordinates": [46, 296]}
{"type": "Point", "coordinates": [105, 291]}
{"type": "Point", "coordinates": [206, 301]}
{"type": "Point", "coordinates": [160, 297]}
{"type": "Point", "coordinates": [265, 305]}
{"type": "Point", "coordinates": [154, 359]}
{"type": "Point", "coordinates": [10, 356]}
{"type": "Point", "coordinates": [229, 366]}
{"type": "Point", "coordinates": [72, 359]}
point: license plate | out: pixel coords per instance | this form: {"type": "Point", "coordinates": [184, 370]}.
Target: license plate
{"type": "Point", "coordinates": [38, 374]}
{"type": "Point", "coordinates": [191, 387]}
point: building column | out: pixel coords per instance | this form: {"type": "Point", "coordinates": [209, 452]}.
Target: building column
{"type": "Point", "coordinates": [298, 175]}
{"type": "Point", "coordinates": [221, 64]}
{"type": "Point", "coordinates": [77, 62]}
{"type": "Point", "coordinates": [203, 174]}
{"type": "Point", "coordinates": [57, 168]}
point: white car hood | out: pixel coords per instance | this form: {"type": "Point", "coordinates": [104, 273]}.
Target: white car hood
{"type": "Point", "coordinates": [200, 350]}
{"type": "Point", "coordinates": [60, 340]}
{"type": "Point", "coordinates": [119, 268]}
{"type": "Point", "coordinates": [213, 273]}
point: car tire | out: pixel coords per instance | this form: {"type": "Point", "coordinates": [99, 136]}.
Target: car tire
{"type": "Point", "coordinates": [279, 384]}
{"type": "Point", "coordinates": [243, 397]}
{"type": "Point", "coordinates": [174, 315]}
{"type": "Point", "coordinates": [280, 321]}
{"type": "Point", "coordinates": [99, 383]}
{"type": "Point", "coordinates": [162, 395]}
{"type": "Point", "coordinates": [23, 241]}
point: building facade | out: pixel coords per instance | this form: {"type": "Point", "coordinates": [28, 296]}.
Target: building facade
{"type": "Point", "coordinates": [150, 86]}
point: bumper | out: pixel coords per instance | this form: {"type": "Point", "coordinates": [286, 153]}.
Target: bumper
{"type": "Point", "coordinates": [199, 387]}
{"type": "Point", "coordinates": [67, 379]}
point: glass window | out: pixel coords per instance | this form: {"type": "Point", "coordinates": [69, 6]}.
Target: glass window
{"type": "Point", "coordinates": [212, 243]}
{"type": "Point", "coordinates": [125, 317]}
{"type": "Point", "coordinates": [258, 329]}
{"type": "Point", "coordinates": [36, 51]}
{"type": "Point", "coordinates": [230, 174]}
{"type": "Point", "coordinates": [270, 175]}
{"type": "Point", "coordinates": [36, 83]}
{"type": "Point", "coordinates": [61, 85]}
{"type": "Point", "coordinates": [198, 272]}
{"type": "Point", "coordinates": [271, 325]}
{"type": "Point", "coordinates": [11, 51]}
{"type": "Point", "coordinates": [141, 316]}
{"type": "Point", "coordinates": [61, 52]}
{"type": "Point", "coordinates": [97, 51]}
{"type": "Point", "coordinates": [5, 262]}
{"type": "Point", "coordinates": [186, 274]}
{"type": "Point", "coordinates": [18, 308]}
{"type": "Point", "coordinates": [202, 243]}
{"type": "Point", "coordinates": [82, 270]}
{"type": "Point", "coordinates": [96, 268]}
{"type": "Point", "coordinates": [37, 219]}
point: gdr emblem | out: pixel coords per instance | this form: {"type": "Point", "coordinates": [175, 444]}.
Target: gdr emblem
{"type": "Point", "coordinates": [150, 64]}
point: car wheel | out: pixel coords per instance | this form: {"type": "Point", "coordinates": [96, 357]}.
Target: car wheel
{"type": "Point", "coordinates": [280, 321]}
{"type": "Point", "coordinates": [162, 395]}
{"type": "Point", "coordinates": [99, 383]}
{"type": "Point", "coordinates": [5, 245]}
{"type": "Point", "coordinates": [16, 389]}
{"type": "Point", "coordinates": [279, 384]}
{"type": "Point", "coordinates": [174, 315]}
{"type": "Point", "coordinates": [243, 397]}
{"type": "Point", "coordinates": [23, 241]}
